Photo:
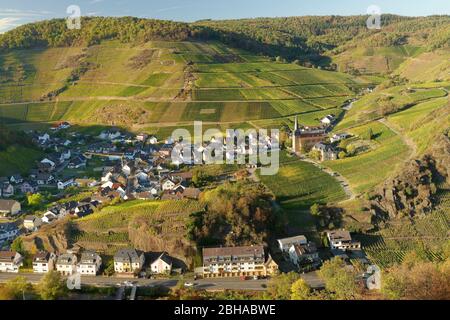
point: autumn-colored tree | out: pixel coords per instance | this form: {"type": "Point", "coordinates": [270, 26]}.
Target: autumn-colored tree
{"type": "Point", "coordinates": [300, 290]}
{"type": "Point", "coordinates": [340, 279]}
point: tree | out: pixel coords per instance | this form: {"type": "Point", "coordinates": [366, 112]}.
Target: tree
{"type": "Point", "coordinates": [35, 200]}
{"type": "Point", "coordinates": [51, 286]}
{"type": "Point", "coordinates": [340, 280]}
{"type": "Point", "coordinates": [315, 210]}
{"type": "Point", "coordinates": [342, 155]}
{"type": "Point", "coordinates": [17, 246]}
{"type": "Point", "coordinates": [15, 289]}
{"type": "Point", "coordinates": [300, 290]}
{"type": "Point", "coordinates": [370, 134]}
{"type": "Point", "coordinates": [279, 287]}
{"type": "Point", "coordinates": [351, 150]}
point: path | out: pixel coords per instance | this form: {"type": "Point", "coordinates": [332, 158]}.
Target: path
{"type": "Point", "coordinates": [408, 141]}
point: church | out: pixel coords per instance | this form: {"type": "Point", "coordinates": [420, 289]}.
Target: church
{"type": "Point", "coordinates": [303, 139]}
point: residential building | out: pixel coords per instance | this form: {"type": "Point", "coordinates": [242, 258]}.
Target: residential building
{"type": "Point", "coordinates": [237, 262]}
{"type": "Point", "coordinates": [64, 184]}
{"type": "Point", "coordinates": [67, 264]}
{"type": "Point", "coordinates": [10, 261]}
{"type": "Point", "coordinates": [128, 261]}
{"type": "Point", "coordinates": [8, 232]}
{"type": "Point", "coordinates": [43, 262]}
{"type": "Point", "coordinates": [162, 265]}
{"type": "Point", "coordinates": [342, 240]}
{"type": "Point", "coordinates": [28, 187]}
{"type": "Point", "coordinates": [90, 263]}
{"type": "Point", "coordinates": [7, 190]}
{"type": "Point", "coordinates": [286, 243]}
{"type": "Point", "coordinates": [304, 256]}
{"type": "Point", "coordinates": [9, 207]}
{"type": "Point", "coordinates": [326, 151]}
{"type": "Point", "coordinates": [32, 223]}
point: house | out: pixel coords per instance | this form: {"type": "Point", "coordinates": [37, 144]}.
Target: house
{"type": "Point", "coordinates": [17, 178]}
{"type": "Point", "coordinates": [110, 134]}
{"type": "Point", "coordinates": [326, 151]}
{"type": "Point", "coordinates": [90, 263]}
{"type": "Point", "coordinates": [10, 261]}
{"type": "Point", "coordinates": [64, 184]}
{"type": "Point", "coordinates": [49, 217]}
{"type": "Point", "coordinates": [304, 256]}
{"type": "Point", "coordinates": [67, 264]}
{"type": "Point", "coordinates": [44, 178]}
{"type": "Point", "coordinates": [329, 119]}
{"type": "Point", "coordinates": [32, 223]}
{"type": "Point", "coordinates": [43, 262]}
{"type": "Point", "coordinates": [142, 137]}
{"type": "Point", "coordinates": [86, 183]}
{"type": "Point", "coordinates": [83, 209]}
{"type": "Point", "coordinates": [9, 207]}
{"type": "Point", "coordinates": [153, 140]}
{"type": "Point", "coordinates": [77, 162]}
{"type": "Point", "coordinates": [342, 240]}
{"type": "Point", "coordinates": [48, 162]}
{"type": "Point", "coordinates": [7, 190]}
{"type": "Point", "coordinates": [128, 261]}
{"type": "Point", "coordinates": [43, 139]}
{"type": "Point", "coordinates": [168, 184]}
{"type": "Point", "coordinates": [339, 136]}
{"type": "Point", "coordinates": [192, 193]}
{"type": "Point", "coordinates": [236, 262]}
{"type": "Point", "coordinates": [162, 265]}
{"type": "Point", "coordinates": [28, 187]}
{"type": "Point", "coordinates": [8, 231]}
{"type": "Point", "coordinates": [286, 243]}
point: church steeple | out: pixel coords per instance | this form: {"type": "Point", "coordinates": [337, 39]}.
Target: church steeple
{"type": "Point", "coordinates": [296, 124]}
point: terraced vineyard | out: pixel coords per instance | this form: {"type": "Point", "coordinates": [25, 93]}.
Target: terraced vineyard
{"type": "Point", "coordinates": [424, 235]}
{"type": "Point", "coordinates": [120, 84]}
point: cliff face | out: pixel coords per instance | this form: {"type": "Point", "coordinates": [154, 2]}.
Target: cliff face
{"type": "Point", "coordinates": [412, 192]}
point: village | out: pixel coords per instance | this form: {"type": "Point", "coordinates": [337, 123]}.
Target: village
{"type": "Point", "coordinates": [117, 166]}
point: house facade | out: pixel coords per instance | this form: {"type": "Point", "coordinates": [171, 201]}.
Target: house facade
{"type": "Point", "coordinates": [10, 261]}
{"type": "Point", "coordinates": [32, 223]}
{"type": "Point", "coordinates": [9, 207]}
{"type": "Point", "coordinates": [67, 264]}
{"type": "Point", "coordinates": [162, 265]}
{"type": "Point", "coordinates": [43, 262]}
{"type": "Point", "coordinates": [8, 232]}
{"type": "Point", "coordinates": [342, 240]}
{"type": "Point", "coordinates": [128, 261]}
{"type": "Point", "coordinates": [89, 264]}
{"type": "Point", "coordinates": [236, 262]}
{"type": "Point", "coordinates": [286, 243]}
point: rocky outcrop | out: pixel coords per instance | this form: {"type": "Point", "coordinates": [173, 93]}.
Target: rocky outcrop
{"type": "Point", "coordinates": [412, 192]}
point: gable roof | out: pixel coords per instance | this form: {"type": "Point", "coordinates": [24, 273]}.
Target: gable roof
{"type": "Point", "coordinates": [6, 205]}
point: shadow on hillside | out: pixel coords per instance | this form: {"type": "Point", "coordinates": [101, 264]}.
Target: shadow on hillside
{"type": "Point", "coordinates": [241, 41]}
